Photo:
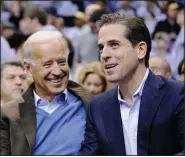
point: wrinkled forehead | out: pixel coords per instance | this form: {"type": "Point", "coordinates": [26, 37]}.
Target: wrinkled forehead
{"type": "Point", "coordinates": [55, 45]}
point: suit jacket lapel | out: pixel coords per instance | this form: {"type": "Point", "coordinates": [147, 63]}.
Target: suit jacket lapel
{"type": "Point", "coordinates": [113, 124]}
{"type": "Point", "coordinates": [28, 117]}
{"type": "Point", "coordinates": [150, 101]}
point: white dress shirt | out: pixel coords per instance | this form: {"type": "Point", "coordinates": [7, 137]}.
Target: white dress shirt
{"type": "Point", "coordinates": [47, 106]}
{"type": "Point", "coordinates": [129, 116]}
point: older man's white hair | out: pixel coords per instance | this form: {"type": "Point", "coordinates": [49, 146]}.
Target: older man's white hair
{"type": "Point", "coordinates": [40, 37]}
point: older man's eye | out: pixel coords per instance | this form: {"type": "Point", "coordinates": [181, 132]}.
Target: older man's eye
{"type": "Point", "coordinates": [47, 65]}
{"type": "Point", "coordinates": [63, 62]}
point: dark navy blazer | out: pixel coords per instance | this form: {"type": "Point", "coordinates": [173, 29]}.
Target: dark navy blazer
{"type": "Point", "coordinates": [160, 123]}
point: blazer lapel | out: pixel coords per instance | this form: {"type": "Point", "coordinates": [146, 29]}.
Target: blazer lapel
{"type": "Point", "coordinates": [150, 101]}
{"type": "Point", "coordinates": [113, 124]}
{"type": "Point", "coordinates": [28, 117]}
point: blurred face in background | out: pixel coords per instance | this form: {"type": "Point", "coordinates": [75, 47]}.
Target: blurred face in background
{"type": "Point", "coordinates": [27, 25]}
{"type": "Point", "coordinates": [15, 8]}
{"type": "Point", "coordinates": [159, 67]}
{"type": "Point", "coordinates": [7, 32]}
{"type": "Point", "coordinates": [94, 83]}
{"type": "Point", "coordinates": [59, 23]}
{"type": "Point", "coordinates": [180, 17]}
{"type": "Point", "coordinates": [51, 19]}
{"type": "Point", "coordinates": [90, 9]}
{"type": "Point", "coordinates": [125, 4]}
{"type": "Point", "coordinates": [13, 82]}
{"type": "Point", "coordinates": [172, 11]}
{"type": "Point", "coordinates": [162, 42]}
{"type": "Point", "coordinates": [79, 22]}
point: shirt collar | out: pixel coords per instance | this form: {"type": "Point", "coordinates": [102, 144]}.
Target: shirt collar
{"type": "Point", "coordinates": [37, 98]}
{"type": "Point", "coordinates": [140, 88]}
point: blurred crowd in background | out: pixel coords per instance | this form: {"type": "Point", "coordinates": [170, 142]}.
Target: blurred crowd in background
{"type": "Point", "coordinates": [77, 21]}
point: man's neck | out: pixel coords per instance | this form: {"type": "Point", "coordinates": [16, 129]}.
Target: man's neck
{"type": "Point", "coordinates": [129, 86]}
{"type": "Point", "coordinates": [44, 96]}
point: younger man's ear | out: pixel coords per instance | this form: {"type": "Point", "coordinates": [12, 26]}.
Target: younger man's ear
{"type": "Point", "coordinates": [142, 49]}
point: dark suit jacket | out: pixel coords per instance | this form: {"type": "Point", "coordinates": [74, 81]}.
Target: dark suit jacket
{"type": "Point", "coordinates": [160, 123]}
{"type": "Point", "coordinates": [18, 121]}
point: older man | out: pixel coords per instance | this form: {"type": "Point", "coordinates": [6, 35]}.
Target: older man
{"type": "Point", "coordinates": [159, 66]}
{"type": "Point", "coordinates": [50, 119]}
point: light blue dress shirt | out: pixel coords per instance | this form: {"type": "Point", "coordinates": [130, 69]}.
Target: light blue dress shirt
{"type": "Point", "coordinates": [47, 106]}
{"type": "Point", "coordinates": [129, 116]}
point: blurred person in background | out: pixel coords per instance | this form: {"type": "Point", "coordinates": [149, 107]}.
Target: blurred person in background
{"type": "Point", "coordinates": [13, 81]}
{"type": "Point", "coordinates": [14, 38]}
{"type": "Point", "coordinates": [93, 78]}
{"type": "Point", "coordinates": [159, 66]}
{"type": "Point", "coordinates": [162, 47]}
{"type": "Point", "coordinates": [90, 9]}
{"type": "Point", "coordinates": [71, 32]}
{"type": "Point", "coordinates": [75, 32]}
{"type": "Point", "coordinates": [59, 23]}
{"type": "Point", "coordinates": [51, 16]}
{"type": "Point", "coordinates": [169, 25]}
{"type": "Point", "coordinates": [151, 14]}
{"type": "Point", "coordinates": [17, 12]}
{"type": "Point", "coordinates": [50, 117]}
{"type": "Point", "coordinates": [103, 5]}
{"type": "Point", "coordinates": [43, 4]}
{"type": "Point", "coordinates": [6, 53]}
{"type": "Point", "coordinates": [149, 11]}
{"type": "Point", "coordinates": [163, 5]}
{"type": "Point", "coordinates": [8, 30]}
{"type": "Point", "coordinates": [181, 69]}
{"type": "Point", "coordinates": [86, 50]}
{"type": "Point", "coordinates": [179, 42]}
{"type": "Point", "coordinates": [178, 46]}
{"type": "Point", "coordinates": [79, 21]}
{"type": "Point", "coordinates": [34, 19]}
{"type": "Point", "coordinates": [5, 13]}
{"type": "Point", "coordinates": [126, 8]}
